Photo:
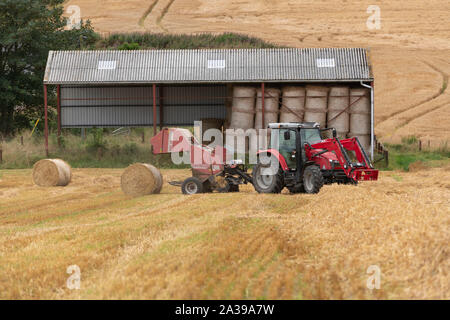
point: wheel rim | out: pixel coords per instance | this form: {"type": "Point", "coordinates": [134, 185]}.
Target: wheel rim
{"type": "Point", "coordinates": [308, 180]}
{"type": "Point", "coordinates": [264, 181]}
{"type": "Point", "coordinates": [191, 188]}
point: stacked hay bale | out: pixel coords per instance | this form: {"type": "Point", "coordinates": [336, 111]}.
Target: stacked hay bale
{"type": "Point", "coordinates": [316, 105]}
{"type": "Point", "coordinates": [52, 173]}
{"type": "Point", "coordinates": [141, 179]}
{"type": "Point", "coordinates": [293, 104]}
{"type": "Point", "coordinates": [338, 111]}
{"type": "Point", "coordinates": [242, 116]}
{"type": "Point", "coordinates": [243, 108]}
{"type": "Point", "coordinates": [360, 116]}
{"type": "Point", "coordinates": [271, 107]}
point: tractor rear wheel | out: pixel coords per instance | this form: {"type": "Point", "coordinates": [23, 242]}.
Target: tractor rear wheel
{"type": "Point", "coordinates": [192, 185]}
{"type": "Point", "coordinates": [312, 179]}
{"type": "Point", "coordinates": [267, 183]}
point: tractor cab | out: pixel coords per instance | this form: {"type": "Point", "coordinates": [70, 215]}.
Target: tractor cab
{"type": "Point", "coordinates": [290, 139]}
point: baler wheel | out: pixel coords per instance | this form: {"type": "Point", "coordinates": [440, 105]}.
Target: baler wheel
{"type": "Point", "coordinates": [191, 186]}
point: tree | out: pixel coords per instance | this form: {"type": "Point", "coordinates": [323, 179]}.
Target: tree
{"type": "Point", "coordinates": [28, 30]}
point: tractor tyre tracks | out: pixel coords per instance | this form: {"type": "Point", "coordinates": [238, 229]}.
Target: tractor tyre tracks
{"type": "Point", "coordinates": [163, 14]}
{"type": "Point", "coordinates": [409, 119]}
{"type": "Point", "coordinates": [147, 13]}
{"type": "Point", "coordinates": [160, 17]}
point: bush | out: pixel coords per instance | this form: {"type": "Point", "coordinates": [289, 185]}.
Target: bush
{"type": "Point", "coordinates": [129, 46]}
{"type": "Point", "coordinates": [131, 41]}
{"type": "Point", "coordinates": [410, 140]}
{"type": "Point", "coordinates": [58, 141]}
{"type": "Point", "coordinates": [130, 149]}
{"type": "Point", "coordinates": [96, 141]}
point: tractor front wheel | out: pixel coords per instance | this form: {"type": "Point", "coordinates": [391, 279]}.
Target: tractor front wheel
{"type": "Point", "coordinates": [312, 179]}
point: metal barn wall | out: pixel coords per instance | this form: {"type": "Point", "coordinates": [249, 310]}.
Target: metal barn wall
{"type": "Point", "coordinates": [184, 105]}
{"type": "Point", "coordinates": [133, 106]}
{"type": "Point", "coordinates": [106, 106]}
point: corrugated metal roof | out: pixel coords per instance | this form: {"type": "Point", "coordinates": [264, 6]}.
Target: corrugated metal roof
{"type": "Point", "coordinates": [207, 65]}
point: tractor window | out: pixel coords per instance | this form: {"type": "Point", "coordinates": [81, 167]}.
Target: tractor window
{"type": "Point", "coordinates": [310, 135]}
{"type": "Point", "coordinates": [288, 145]}
{"type": "Point", "coordinates": [290, 141]}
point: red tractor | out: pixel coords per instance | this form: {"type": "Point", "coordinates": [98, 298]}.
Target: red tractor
{"type": "Point", "coordinates": [305, 161]}
{"type": "Point", "coordinates": [299, 158]}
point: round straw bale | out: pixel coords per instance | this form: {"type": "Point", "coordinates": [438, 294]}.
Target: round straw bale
{"type": "Point", "coordinates": [141, 179]}
{"type": "Point", "coordinates": [51, 173]}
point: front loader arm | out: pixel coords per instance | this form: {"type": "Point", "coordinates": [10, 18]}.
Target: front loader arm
{"type": "Point", "coordinates": [354, 145]}
{"type": "Point", "coordinates": [361, 170]}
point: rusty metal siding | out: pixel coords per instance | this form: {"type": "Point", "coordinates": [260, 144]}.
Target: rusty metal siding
{"type": "Point", "coordinates": [133, 106]}
{"type": "Point", "coordinates": [207, 65]}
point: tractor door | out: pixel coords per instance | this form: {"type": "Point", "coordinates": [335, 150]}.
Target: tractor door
{"type": "Point", "coordinates": [288, 146]}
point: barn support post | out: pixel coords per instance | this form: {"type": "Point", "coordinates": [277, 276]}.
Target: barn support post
{"type": "Point", "coordinates": [263, 93]}
{"type": "Point", "coordinates": [372, 118]}
{"type": "Point", "coordinates": [161, 108]}
{"type": "Point", "coordinates": [46, 120]}
{"type": "Point", "coordinates": [154, 110]}
{"type": "Point", "coordinates": [58, 104]}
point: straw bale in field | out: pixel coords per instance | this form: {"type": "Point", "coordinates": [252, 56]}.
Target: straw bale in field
{"type": "Point", "coordinates": [141, 179]}
{"type": "Point", "coordinates": [51, 173]}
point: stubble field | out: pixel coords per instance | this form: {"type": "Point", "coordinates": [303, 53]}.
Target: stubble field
{"type": "Point", "coordinates": [226, 246]}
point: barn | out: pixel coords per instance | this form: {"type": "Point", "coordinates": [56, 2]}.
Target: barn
{"type": "Point", "coordinates": [177, 87]}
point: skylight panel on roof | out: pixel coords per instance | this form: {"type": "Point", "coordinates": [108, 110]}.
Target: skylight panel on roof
{"type": "Point", "coordinates": [107, 65]}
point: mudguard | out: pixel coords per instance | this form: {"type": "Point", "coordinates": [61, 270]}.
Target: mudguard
{"type": "Point", "coordinates": [278, 155]}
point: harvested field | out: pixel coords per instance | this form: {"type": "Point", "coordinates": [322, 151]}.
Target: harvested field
{"type": "Point", "coordinates": [225, 245]}
{"type": "Point", "coordinates": [410, 52]}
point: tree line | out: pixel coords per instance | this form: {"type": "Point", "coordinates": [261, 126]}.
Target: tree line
{"type": "Point", "coordinates": [28, 30]}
